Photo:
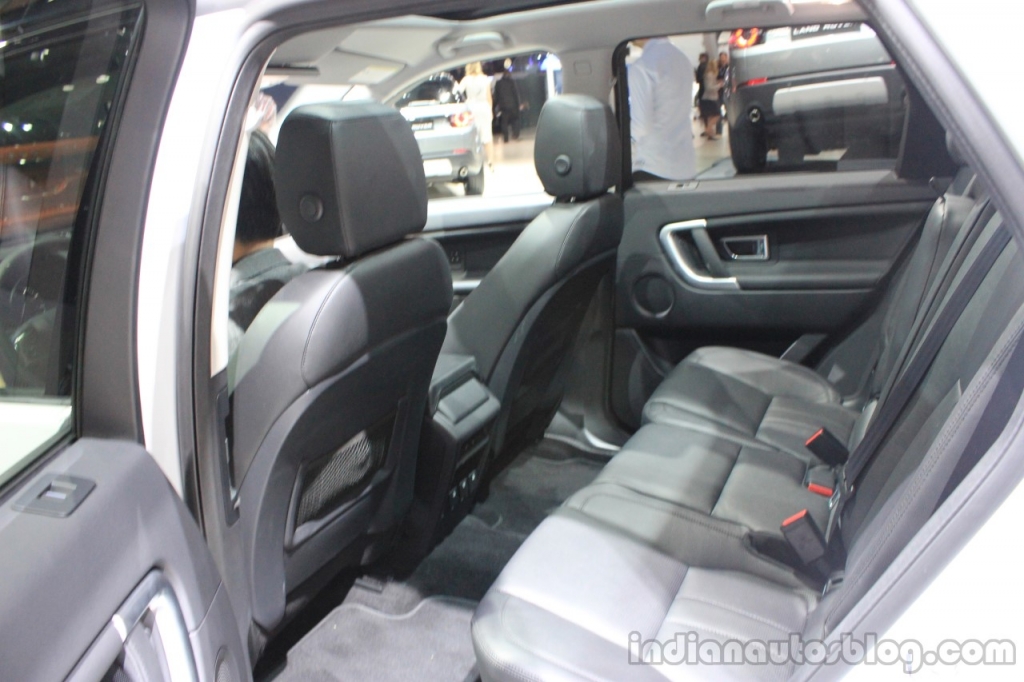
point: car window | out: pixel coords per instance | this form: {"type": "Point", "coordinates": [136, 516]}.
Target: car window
{"type": "Point", "coordinates": [819, 97]}
{"type": "Point", "coordinates": [474, 123]}
{"type": "Point", "coordinates": [60, 80]}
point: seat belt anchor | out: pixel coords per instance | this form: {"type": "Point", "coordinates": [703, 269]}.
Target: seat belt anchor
{"type": "Point", "coordinates": [834, 580]}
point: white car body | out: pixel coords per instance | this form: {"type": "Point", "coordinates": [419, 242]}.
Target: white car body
{"type": "Point", "coordinates": [976, 595]}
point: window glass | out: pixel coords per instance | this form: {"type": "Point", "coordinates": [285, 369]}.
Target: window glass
{"type": "Point", "coordinates": [474, 123]}
{"type": "Point", "coordinates": [819, 97]}
{"type": "Point", "coordinates": [59, 77]}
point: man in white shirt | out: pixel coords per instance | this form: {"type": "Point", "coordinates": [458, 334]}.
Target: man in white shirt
{"type": "Point", "coordinates": [660, 102]}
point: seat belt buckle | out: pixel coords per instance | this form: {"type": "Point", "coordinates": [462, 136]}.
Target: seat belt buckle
{"type": "Point", "coordinates": [821, 481]}
{"type": "Point", "coordinates": [827, 448]}
{"type": "Point", "coordinates": [804, 537]}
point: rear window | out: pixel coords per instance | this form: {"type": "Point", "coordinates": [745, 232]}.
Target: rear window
{"type": "Point", "coordinates": [433, 91]}
{"type": "Point", "coordinates": [61, 69]}
{"type": "Point", "coordinates": [818, 97]}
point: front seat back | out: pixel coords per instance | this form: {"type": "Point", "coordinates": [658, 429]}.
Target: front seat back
{"type": "Point", "coordinates": [331, 378]}
{"type": "Point", "coordinates": [522, 319]}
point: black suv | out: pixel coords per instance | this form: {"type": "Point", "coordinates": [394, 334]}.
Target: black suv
{"type": "Point", "coordinates": [808, 89]}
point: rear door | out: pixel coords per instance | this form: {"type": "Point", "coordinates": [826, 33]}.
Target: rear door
{"type": "Point", "coordinates": [105, 573]}
{"type": "Point", "coordinates": [788, 260]}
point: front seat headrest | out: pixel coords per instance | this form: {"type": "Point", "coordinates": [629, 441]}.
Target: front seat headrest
{"type": "Point", "coordinates": [577, 150]}
{"type": "Point", "coordinates": [349, 178]}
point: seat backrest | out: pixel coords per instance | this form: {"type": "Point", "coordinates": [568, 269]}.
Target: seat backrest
{"type": "Point", "coordinates": [522, 319]}
{"type": "Point", "coordinates": [902, 484]}
{"type": "Point", "coordinates": [330, 380]}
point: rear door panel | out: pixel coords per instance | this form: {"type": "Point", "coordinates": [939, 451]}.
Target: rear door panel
{"type": "Point", "coordinates": [757, 262]}
{"type": "Point", "coordinates": [104, 571]}
{"type": "Point", "coordinates": [65, 579]}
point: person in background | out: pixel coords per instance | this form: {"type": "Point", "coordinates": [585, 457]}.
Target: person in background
{"type": "Point", "coordinates": [702, 65]}
{"type": "Point", "coordinates": [660, 105]}
{"type": "Point", "coordinates": [258, 269]}
{"type": "Point", "coordinates": [723, 79]}
{"type": "Point", "coordinates": [508, 103]}
{"type": "Point", "coordinates": [262, 113]}
{"type": "Point", "coordinates": [477, 88]}
{"type": "Point", "coordinates": [710, 108]}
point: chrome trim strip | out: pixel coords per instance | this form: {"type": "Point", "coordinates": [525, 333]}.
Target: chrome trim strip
{"type": "Point", "coordinates": [682, 267]}
{"type": "Point", "coordinates": [598, 443]}
{"type": "Point", "coordinates": [852, 92]}
{"type": "Point", "coordinates": [464, 287]}
{"type": "Point", "coordinates": [155, 595]}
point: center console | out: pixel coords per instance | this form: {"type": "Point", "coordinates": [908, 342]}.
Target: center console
{"type": "Point", "coordinates": [454, 449]}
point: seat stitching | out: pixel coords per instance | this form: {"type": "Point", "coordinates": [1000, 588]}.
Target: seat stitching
{"type": "Point", "coordinates": [694, 628]}
{"type": "Point", "coordinates": [523, 645]}
{"type": "Point", "coordinates": [665, 403]}
{"type": "Point", "coordinates": [565, 239]}
{"type": "Point", "coordinates": [697, 520]}
{"type": "Point", "coordinates": [741, 612]}
{"type": "Point", "coordinates": [484, 648]}
{"type": "Point", "coordinates": [817, 383]}
{"type": "Point", "coordinates": [316, 319]}
{"type": "Point", "coordinates": [753, 442]}
{"type": "Point", "coordinates": [718, 497]}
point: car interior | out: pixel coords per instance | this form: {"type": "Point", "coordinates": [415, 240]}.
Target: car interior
{"type": "Point", "coordinates": [524, 437]}
{"type": "Point", "coordinates": [614, 429]}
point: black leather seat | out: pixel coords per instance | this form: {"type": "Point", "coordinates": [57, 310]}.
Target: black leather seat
{"type": "Point", "coordinates": [678, 539]}
{"type": "Point", "coordinates": [522, 319]}
{"type": "Point", "coordinates": [331, 378]}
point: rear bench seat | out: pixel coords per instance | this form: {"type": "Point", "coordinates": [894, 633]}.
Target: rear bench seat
{"type": "Point", "coordinates": [680, 533]}
{"type": "Point", "coordinates": [750, 396]}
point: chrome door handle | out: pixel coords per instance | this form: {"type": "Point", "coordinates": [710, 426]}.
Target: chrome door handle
{"type": "Point", "coordinates": [680, 260]}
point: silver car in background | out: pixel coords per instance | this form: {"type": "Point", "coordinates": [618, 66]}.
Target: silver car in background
{"type": "Point", "coordinates": [446, 132]}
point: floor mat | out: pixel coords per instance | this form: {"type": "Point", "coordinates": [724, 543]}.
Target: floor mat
{"type": "Point", "coordinates": [418, 627]}
{"type": "Point", "coordinates": [535, 483]}
{"type": "Point", "coordinates": [358, 643]}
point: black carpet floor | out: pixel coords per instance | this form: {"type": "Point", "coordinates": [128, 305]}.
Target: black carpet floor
{"type": "Point", "coordinates": [358, 643]}
{"type": "Point", "coordinates": [418, 628]}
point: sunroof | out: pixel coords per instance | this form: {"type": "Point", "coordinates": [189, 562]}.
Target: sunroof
{"type": "Point", "coordinates": [492, 9]}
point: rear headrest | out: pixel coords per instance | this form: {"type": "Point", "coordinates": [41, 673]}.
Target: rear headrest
{"type": "Point", "coordinates": [577, 150]}
{"type": "Point", "coordinates": [349, 178]}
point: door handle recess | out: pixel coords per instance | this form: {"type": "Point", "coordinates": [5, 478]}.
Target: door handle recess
{"type": "Point", "coordinates": [752, 247]}
{"type": "Point", "coordinates": [682, 262]}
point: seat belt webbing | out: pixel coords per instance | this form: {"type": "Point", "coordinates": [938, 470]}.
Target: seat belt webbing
{"type": "Point", "coordinates": [925, 356]}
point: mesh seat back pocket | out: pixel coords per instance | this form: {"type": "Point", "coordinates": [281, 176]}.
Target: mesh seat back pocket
{"type": "Point", "coordinates": [332, 481]}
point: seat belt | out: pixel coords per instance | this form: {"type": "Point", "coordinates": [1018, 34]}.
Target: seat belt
{"type": "Point", "coordinates": [922, 361]}
{"type": "Point", "coordinates": [993, 420]}
{"type": "Point", "coordinates": [964, 239]}
{"type": "Point", "coordinates": [883, 422]}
